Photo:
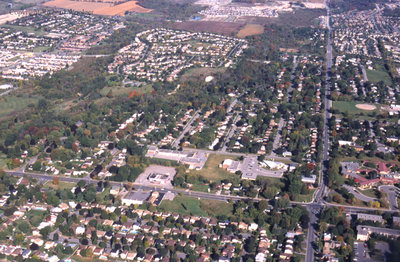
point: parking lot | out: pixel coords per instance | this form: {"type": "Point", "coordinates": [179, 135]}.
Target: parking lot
{"type": "Point", "coordinates": [362, 253]}
{"type": "Point", "coordinates": [160, 176]}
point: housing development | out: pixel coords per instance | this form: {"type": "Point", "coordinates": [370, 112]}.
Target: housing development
{"type": "Point", "coordinates": [211, 130]}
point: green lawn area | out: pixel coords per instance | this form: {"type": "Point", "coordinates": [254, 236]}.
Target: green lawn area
{"type": "Point", "coordinates": [200, 187]}
{"type": "Point", "coordinates": [183, 205]}
{"type": "Point", "coordinates": [306, 198]}
{"type": "Point", "coordinates": [192, 206]}
{"type": "Point", "coordinates": [378, 75]}
{"type": "Point", "coordinates": [200, 72]}
{"type": "Point", "coordinates": [61, 185]}
{"type": "Point", "coordinates": [120, 90]}
{"type": "Point", "coordinates": [3, 161]}
{"type": "Point", "coordinates": [216, 208]}
{"type": "Point", "coordinates": [211, 169]}
{"type": "Point", "coordinates": [271, 181]}
{"type": "Point", "coordinates": [350, 107]}
{"type": "Point", "coordinates": [369, 192]}
{"type": "Point", "coordinates": [26, 29]}
{"type": "Point", "coordinates": [11, 104]}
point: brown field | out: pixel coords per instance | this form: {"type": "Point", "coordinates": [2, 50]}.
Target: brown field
{"type": "Point", "coordinates": [366, 107]}
{"type": "Point", "coordinates": [209, 26]}
{"type": "Point", "coordinates": [250, 29]}
{"type": "Point", "coordinates": [122, 8]}
{"type": "Point", "coordinates": [99, 8]}
{"type": "Point", "coordinates": [78, 6]}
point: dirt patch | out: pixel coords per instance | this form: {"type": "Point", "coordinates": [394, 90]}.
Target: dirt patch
{"type": "Point", "coordinates": [105, 7]}
{"type": "Point", "coordinates": [77, 6]}
{"type": "Point", "coordinates": [289, 50]}
{"type": "Point", "coordinates": [250, 29]}
{"type": "Point", "coordinates": [209, 26]}
{"type": "Point", "coordinates": [122, 8]}
{"type": "Point", "coordinates": [366, 107]}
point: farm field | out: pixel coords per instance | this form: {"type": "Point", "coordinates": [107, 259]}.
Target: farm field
{"type": "Point", "coordinates": [78, 6]}
{"type": "Point", "coordinates": [99, 8]}
{"type": "Point", "coordinates": [121, 9]}
{"type": "Point", "coordinates": [250, 29]}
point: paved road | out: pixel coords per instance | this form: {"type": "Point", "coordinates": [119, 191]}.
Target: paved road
{"type": "Point", "coordinates": [393, 193]}
{"type": "Point", "coordinates": [277, 138]}
{"type": "Point", "coordinates": [365, 78]}
{"type": "Point", "coordinates": [231, 132]}
{"type": "Point", "coordinates": [187, 128]}
{"type": "Point", "coordinates": [358, 195]}
{"type": "Point", "coordinates": [321, 191]}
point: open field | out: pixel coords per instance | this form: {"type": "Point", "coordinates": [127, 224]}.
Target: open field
{"type": "Point", "coordinates": [209, 26]}
{"type": "Point", "coordinates": [216, 208]}
{"type": "Point", "coordinates": [25, 29]}
{"type": "Point", "coordinates": [61, 185]}
{"type": "Point", "coordinates": [250, 29]}
{"type": "Point", "coordinates": [119, 90]}
{"type": "Point", "coordinates": [211, 169]}
{"type": "Point", "coordinates": [183, 205]}
{"type": "Point", "coordinates": [202, 72]}
{"type": "Point", "coordinates": [122, 8]}
{"type": "Point", "coordinates": [78, 6]}
{"type": "Point", "coordinates": [12, 104]}
{"type": "Point", "coordinates": [99, 8]}
{"type": "Point", "coordinates": [376, 76]}
{"type": "Point", "coordinates": [192, 206]}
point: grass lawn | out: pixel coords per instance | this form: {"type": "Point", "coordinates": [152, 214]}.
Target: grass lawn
{"type": "Point", "coordinates": [200, 187]}
{"type": "Point", "coordinates": [272, 181]}
{"type": "Point", "coordinates": [3, 161]}
{"type": "Point", "coordinates": [211, 169]}
{"type": "Point", "coordinates": [350, 107]}
{"type": "Point", "coordinates": [61, 185]}
{"type": "Point", "coordinates": [26, 29]}
{"type": "Point", "coordinates": [378, 75]}
{"type": "Point", "coordinates": [120, 90]}
{"type": "Point", "coordinates": [369, 192]}
{"type": "Point", "coordinates": [200, 72]}
{"type": "Point", "coordinates": [306, 198]}
{"type": "Point", "coordinates": [216, 208]}
{"type": "Point", "coordinates": [183, 205]}
{"type": "Point", "coordinates": [11, 104]}
{"type": "Point", "coordinates": [192, 206]}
